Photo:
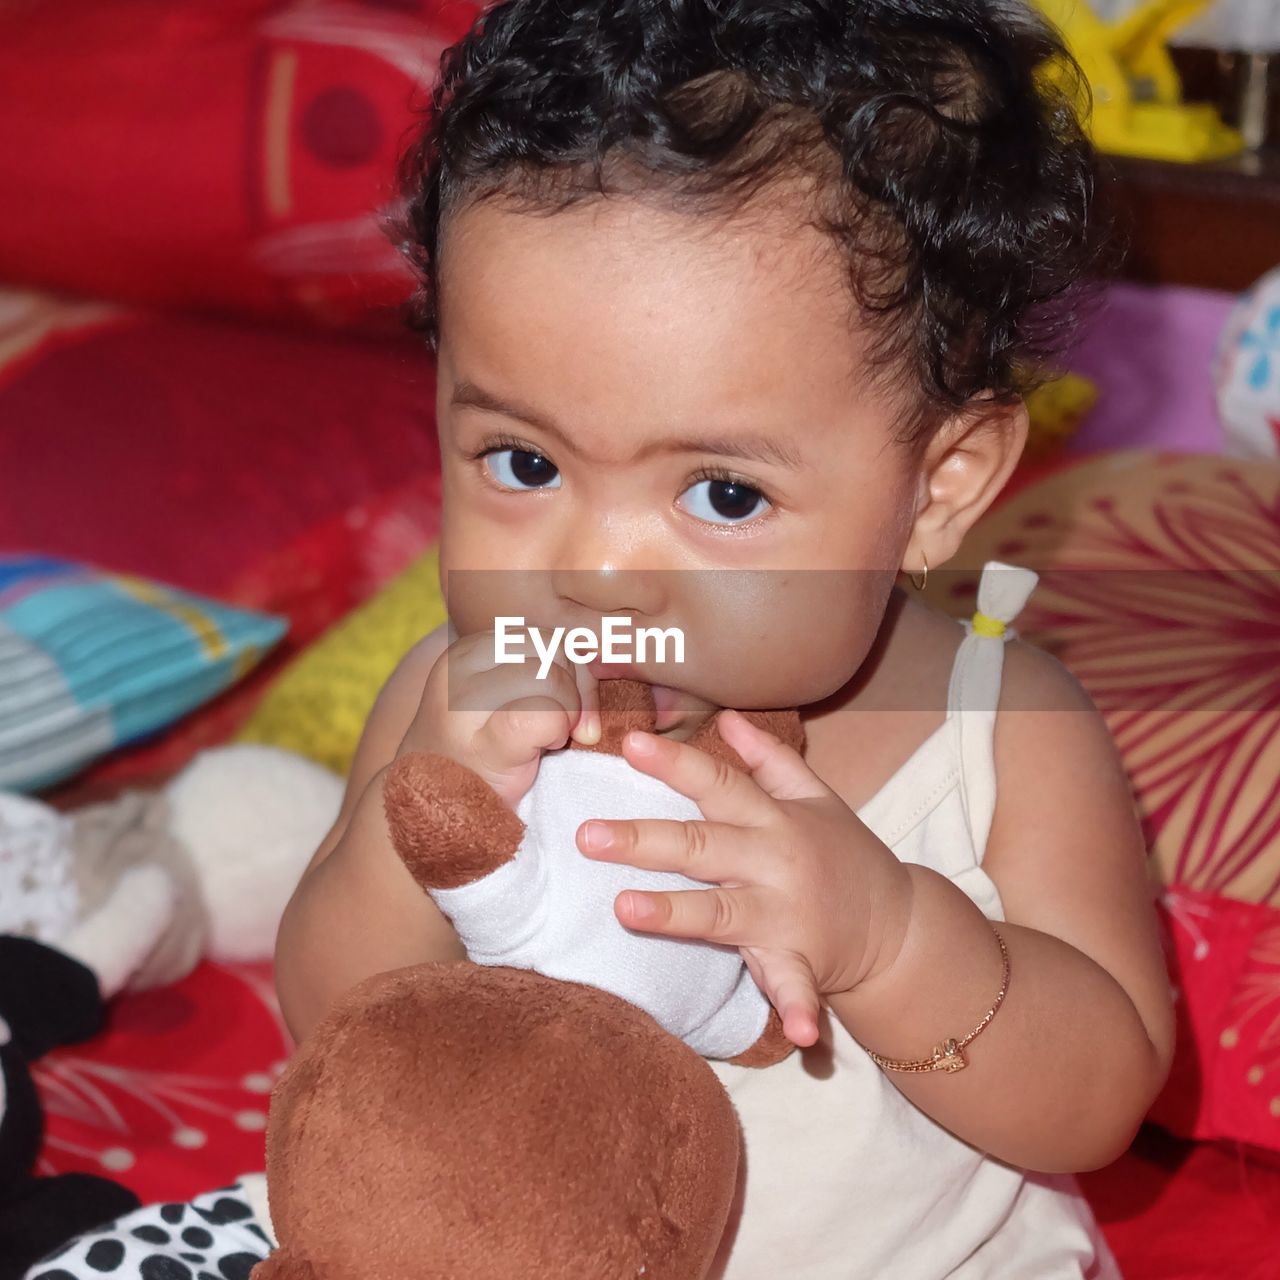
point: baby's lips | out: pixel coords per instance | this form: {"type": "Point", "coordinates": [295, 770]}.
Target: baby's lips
{"type": "Point", "coordinates": [666, 706]}
{"type": "Point", "coordinates": [603, 670]}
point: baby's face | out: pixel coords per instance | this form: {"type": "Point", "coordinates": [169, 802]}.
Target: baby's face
{"type": "Point", "coordinates": [653, 415]}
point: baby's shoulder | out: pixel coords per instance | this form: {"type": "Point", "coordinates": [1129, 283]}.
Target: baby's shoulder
{"type": "Point", "coordinates": [1034, 680]}
{"type": "Point", "coordinates": [411, 672]}
{"type": "Point", "coordinates": [925, 645]}
{"type": "Point", "coordinates": [1047, 726]}
{"type": "Point", "coordinates": [394, 710]}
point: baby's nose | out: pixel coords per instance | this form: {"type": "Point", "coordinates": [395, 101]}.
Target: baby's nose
{"type": "Point", "coordinates": [610, 590]}
{"type": "Point", "coordinates": [612, 558]}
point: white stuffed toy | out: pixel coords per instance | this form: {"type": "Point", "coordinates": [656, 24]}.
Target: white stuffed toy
{"type": "Point", "coordinates": [1246, 373]}
{"type": "Point", "coordinates": [140, 888]}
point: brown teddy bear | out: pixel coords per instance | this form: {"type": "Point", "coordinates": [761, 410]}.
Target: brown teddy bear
{"type": "Point", "coordinates": [522, 1114]}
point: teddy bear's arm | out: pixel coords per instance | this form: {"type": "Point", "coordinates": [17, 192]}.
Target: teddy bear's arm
{"type": "Point", "coordinates": [771, 1046]}
{"type": "Point", "coordinates": [448, 825]}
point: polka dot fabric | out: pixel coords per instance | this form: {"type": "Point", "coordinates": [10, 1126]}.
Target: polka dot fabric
{"type": "Point", "coordinates": [214, 1237]}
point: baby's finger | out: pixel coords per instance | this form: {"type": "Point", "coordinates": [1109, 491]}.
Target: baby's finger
{"type": "Point", "coordinates": [729, 916]}
{"type": "Point", "coordinates": [491, 687]}
{"type": "Point", "coordinates": [573, 685]}
{"type": "Point", "coordinates": [587, 729]}
{"type": "Point", "coordinates": [723, 793]}
{"type": "Point", "coordinates": [788, 982]}
{"type": "Point", "coordinates": [794, 995]}
{"type": "Point", "coordinates": [711, 851]}
{"type": "Point", "coordinates": [518, 733]}
{"type": "Point", "coordinates": [779, 768]}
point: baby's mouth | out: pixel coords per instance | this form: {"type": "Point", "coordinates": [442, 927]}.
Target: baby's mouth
{"type": "Point", "coordinates": [666, 707]}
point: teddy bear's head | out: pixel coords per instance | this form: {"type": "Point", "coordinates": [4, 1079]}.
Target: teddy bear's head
{"type": "Point", "coordinates": [453, 1120]}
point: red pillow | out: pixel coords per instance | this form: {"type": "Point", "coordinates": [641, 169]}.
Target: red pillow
{"type": "Point", "coordinates": [225, 153]}
{"type": "Point", "coordinates": [1224, 959]}
{"type": "Point", "coordinates": [287, 470]}
{"type": "Point", "coordinates": [186, 449]}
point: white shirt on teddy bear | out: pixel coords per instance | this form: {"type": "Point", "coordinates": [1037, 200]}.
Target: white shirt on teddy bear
{"type": "Point", "coordinates": [550, 909]}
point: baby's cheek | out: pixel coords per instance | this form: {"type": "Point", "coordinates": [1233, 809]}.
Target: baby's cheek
{"type": "Point", "coordinates": [794, 638]}
{"type": "Point", "coordinates": [478, 593]}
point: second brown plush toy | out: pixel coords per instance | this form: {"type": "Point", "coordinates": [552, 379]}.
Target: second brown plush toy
{"type": "Point", "coordinates": [459, 1122]}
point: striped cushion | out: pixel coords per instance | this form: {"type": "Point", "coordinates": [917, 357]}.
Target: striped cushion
{"type": "Point", "coordinates": [92, 660]}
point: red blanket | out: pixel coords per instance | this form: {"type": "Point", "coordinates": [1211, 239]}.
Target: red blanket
{"type": "Point", "coordinates": [172, 1101]}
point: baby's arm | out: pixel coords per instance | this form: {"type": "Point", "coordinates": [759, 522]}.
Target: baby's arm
{"type": "Point", "coordinates": [1061, 1077]}
{"type": "Point", "coordinates": [357, 911]}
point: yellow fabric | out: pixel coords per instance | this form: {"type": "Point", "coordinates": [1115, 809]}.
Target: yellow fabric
{"type": "Point", "coordinates": [319, 705]}
{"type": "Point", "coordinates": [984, 625]}
{"type": "Point", "coordinates": [1054, 413]}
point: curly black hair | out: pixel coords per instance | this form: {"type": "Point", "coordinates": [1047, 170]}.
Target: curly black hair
{"type": "Point", "coordinates": [958, 184]}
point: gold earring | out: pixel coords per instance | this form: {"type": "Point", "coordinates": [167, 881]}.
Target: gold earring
{"type": "Point", "coordinates": [919, 583]}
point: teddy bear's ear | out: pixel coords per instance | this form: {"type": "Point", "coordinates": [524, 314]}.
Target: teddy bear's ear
{"type": "Point", "coordinates": [785, 724]}
{"type": "Point", "coordinates": [446, 822]}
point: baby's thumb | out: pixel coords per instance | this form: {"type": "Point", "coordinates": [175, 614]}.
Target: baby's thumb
{"type": "Point", "coordinates": [515, 735]}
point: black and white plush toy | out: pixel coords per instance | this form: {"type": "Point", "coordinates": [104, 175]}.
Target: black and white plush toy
{"type": "Point", "coordinates": [121, 896]}
{"type": "Point", "coordinates": [141, 887]}
{"type": "Point", "coordinates": [47, 999]}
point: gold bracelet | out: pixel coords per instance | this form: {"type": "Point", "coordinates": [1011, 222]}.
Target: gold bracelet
{"type": "Point", "coordinates": [949, 1055]}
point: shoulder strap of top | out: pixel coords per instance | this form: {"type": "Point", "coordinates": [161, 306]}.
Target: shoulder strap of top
{"type": "Point", "coordinates": [974, 691]}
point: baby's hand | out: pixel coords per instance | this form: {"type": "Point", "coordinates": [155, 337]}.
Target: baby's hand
{"type": "Point", "coordinates": [808, 894]}
{"type": "Point", "coordinates": [498, 718]}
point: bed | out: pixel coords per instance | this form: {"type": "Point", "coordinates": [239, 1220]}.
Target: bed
{"type": "Point", "coordinates": [257, 429]}
{"type": "Point", "coordinates": [267, 500]}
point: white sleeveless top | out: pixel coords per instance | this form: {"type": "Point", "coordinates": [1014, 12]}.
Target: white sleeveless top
{"type": "Point", "coordinates": [846, 1179]}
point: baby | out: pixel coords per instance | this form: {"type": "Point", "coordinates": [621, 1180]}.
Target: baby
{"type": "Point", "coordinates": [733, 304]}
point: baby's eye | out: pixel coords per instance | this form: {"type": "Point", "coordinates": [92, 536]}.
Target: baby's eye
{"type": "Point", "coordinates": [724, 500]}
{"type": "Point", "coordinates": [522, 469]}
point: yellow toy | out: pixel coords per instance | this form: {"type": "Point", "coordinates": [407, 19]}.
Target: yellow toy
{"type": "Point", "coordinates": [1137, 107]}
{"type": "Point", "coordinates": [1055, 411]}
